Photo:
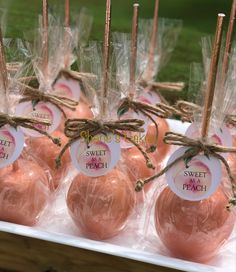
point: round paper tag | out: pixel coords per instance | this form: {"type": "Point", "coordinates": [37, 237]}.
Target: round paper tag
{"type": "Point", "coordinates": [138, 137]}
{"type": "Point", "coordinates": [220, 136]}
{"type": "Point", "coordinates": [98, 157]}
{"type": "Point", "coordinates": [11, 145]}
{"type": "Point", "coordinates": [195, 179]}
{"type": "Point", "coordinates": [45, 111]}
{"type": "Point", "coordinates": [68, 87]}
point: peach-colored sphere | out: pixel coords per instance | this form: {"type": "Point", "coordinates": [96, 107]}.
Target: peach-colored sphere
{"type": "Point", "coordinates": [136, 169]}
{"type": "Point", "coordinates": [193, 230]}
{"type": "Point", "coordinates": [101, 206]}
{"type": "Point", "coordinates": [82, 111]}
{"type": "Point", "coordinates": [23, 193]}
{"type": "Point", "coordinates": [162, 148]}
{"type": "Point", "coordinates": [44, 149]}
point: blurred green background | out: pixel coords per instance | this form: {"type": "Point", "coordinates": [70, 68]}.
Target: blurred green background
{"type": "Point", "coordinates": [199, 17]}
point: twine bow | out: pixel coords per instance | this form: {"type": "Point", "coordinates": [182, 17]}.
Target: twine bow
{"type": "Point", "coordinates": [147, 110]}
{"type": "Point", "coordinates": [76, 129]}
{"type": "Point", "coordinates": [32, 94]}
{"type": "Point", "coordinates": [29, 123]}
{"type": "Point", "coordinates": [196, 146]}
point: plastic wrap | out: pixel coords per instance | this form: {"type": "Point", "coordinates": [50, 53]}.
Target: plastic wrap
{"type": "Point", "coordinates": [101, 206]}
{"type": "Point", "coordinates": [168, 32]}
{"type": "Point", "coordinates": [196, 189]}
{"type": "Point", "coordinates": [46, 51]}
{"type": "Point", "coordinates": [24, 185]}
{"type": "Point", "coordinates": [24, 191]}
{"type": "Point", "coordinates": [75, 37]}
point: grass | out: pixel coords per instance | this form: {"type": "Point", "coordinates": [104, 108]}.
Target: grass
{"type": "Point", "coordinates": [199, 17]}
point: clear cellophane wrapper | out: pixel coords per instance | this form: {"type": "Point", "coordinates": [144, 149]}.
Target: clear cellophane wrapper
{"type": "Point", "coordinates": [168, 33]}
{"type": "Point", "coordinates": [190, 230]}
{"type": "Point", "coordinates": [95, 207]}
{"type": "Point", "coordinates": [223, 102]}
{"type": "Point", "coordinates": [76, 36]}
{"type": "Point", "coordinates": [91, 61]}
{"type": "Point", "coordinates": [122, 49]}
{"type": "Point", "coordinates": [24, 190]}
{"type": "Point", "coordinates": [24, 185]}
{"type": "Point", "coordinates": [47, 60]}
{"type": "Point", "coordinates": [18, 67]}
{"type": "Point", "coordinates": [132, 158]}
{"type": "Point", "coordinates": [206, 225]}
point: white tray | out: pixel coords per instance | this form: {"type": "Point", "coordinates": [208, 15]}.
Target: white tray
{"type": "Point", "coordinates": [64, 233]}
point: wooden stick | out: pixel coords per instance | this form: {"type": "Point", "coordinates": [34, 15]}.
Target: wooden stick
{"type": "Point", "coordinates": [228, 44]}
{"type": "Point", "coordinates": [133, 58]}
{"type": "Point", "coordinates": [4, 75]}
{"type": "Point", "coordinates": [45, 38]}
{"type": "Point", "coordinates": [67, 13]}
{"type": "Point", "coordinates": [106, 57]}
{"type": "Point", "coordinates": [153, 43]}
{"type": "Point", "coordinates": [212, 76]}
{"type": "Point", "coordinates": [3, 65]}
{"type": "Point", "coordinates": [66, 35]}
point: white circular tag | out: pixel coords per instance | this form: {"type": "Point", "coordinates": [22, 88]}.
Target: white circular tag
{"type": "Point", "coordinates": [45, 111]}
{"type": "Point", "coordinates": [98, 157]}
{"type": "Point", "coordinates": [68, 87]}
{"type": "Point", "coordinates": [11, 145]}
{"type": "Point", "coordinates": [196, 179]}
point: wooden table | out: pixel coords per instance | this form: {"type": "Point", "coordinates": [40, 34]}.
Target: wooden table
{"type": "Point", "coordinates": [25, 254]}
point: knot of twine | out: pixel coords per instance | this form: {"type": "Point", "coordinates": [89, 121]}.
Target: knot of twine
{"type": "Point", "coordinates": [186, 110]}
{"type": "Point", "coordinates": [168, 86]}
{"type": "Point", "coordinates": [80, 76]}
{"type": "Point", "coordinates": [13, 66]}
{"type": "Point", "coordinates": [34, 95]}
{"type": "Point", "coordinates": [147, 110]}
{"type": "Point", "coordinates": [76, 129]}
{"type": "Point", "coordinates": [29, 123]}
{"type": "Point", "coordinates": [196, 146]}
{"type": "Point", "coordinates": [231, 119]}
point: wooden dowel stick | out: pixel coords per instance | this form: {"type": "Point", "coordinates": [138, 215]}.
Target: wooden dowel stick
{"type": "Point", "coordinates": [106, 57]}
{"type": "Point", "coordinates": [3, 74]}
{"type": "Point", "coordinates": [45, 38]}
{"type": "Point", "coordinates": [212, 76]}
{"type": "Point", "coordinates": [133, 59]}
{"type": "Point", "coordinates": [67, 35]}
{"type": "Point", "coordinates": [153, 43]}
{"type": "Point", "coordinates": [228, 44]}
